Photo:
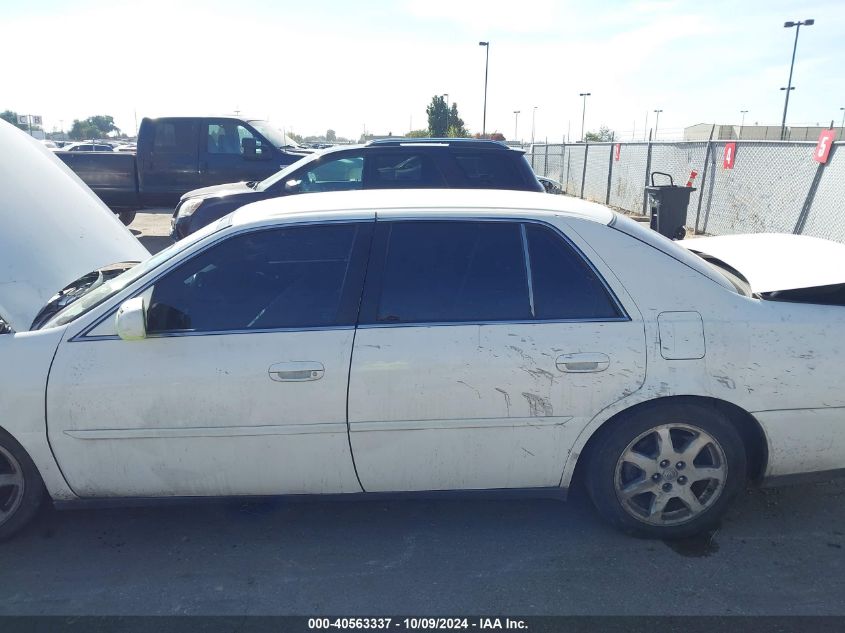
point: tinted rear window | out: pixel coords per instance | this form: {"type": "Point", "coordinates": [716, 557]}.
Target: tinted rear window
{"type": "Point", "coordinates": [490, 170]}
{"type": "Point", "coordinates": [175, 136]}
{"type": "Point", "coordinates": [454, 271]}
{"type": "Point", "coordinates": [564, 286]}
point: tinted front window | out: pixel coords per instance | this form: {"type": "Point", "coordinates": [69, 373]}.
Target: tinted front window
{"type": "Point", "coordinates": [453, 271]}
{"type": "Point", "coordinates": [339, 174]}
{"type": "Point", "coordinates": [564, 286]}
{"type": "Point", "coordinates": [489, 170]}
{"type": "Point", "coordinates": [403, 170]}
{"type": "Point", "coordinates": [279, 278]}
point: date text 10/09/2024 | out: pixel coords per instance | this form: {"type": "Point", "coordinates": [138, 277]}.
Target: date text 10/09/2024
{"type": "Point", "coordinates": [413, 624]}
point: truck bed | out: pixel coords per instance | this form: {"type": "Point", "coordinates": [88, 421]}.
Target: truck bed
{"type": "Point", "coordinates": [111, 175]}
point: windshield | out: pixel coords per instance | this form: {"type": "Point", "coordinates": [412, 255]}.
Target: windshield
{"type": "Point", "coordinates": [101, 293]}
{"type": "Point", "coordinates": [272, 134]}
{"type": "Point", "coordinates": [284, 173]}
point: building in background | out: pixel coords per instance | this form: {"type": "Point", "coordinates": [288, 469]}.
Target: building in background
{"type": "Point", "coordinates": [701, 132]}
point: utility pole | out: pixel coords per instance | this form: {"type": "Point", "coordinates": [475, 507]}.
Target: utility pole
{"type": "Point", "coordinates": [789, 88]}
{"type": "Point", "coordinates": [584, 96]}
{"type": "Point", "coordinates": [657, 123]}
{"type": "Point", "coordinates": [486, 46]}
{"type": "Point", "coordinates": [516, 125]}
{"type": "Point", "coordinates": [533, 120]}
{"type": "Point", "coordinates": [742, 125]}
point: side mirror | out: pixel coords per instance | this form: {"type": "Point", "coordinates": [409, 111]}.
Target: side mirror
{"type": "Point", "coordinates": [293, 186]}
{"type": "Point", "coordinates": [130, 322]}
{"type": "Point", "coordinates": [248, 147]}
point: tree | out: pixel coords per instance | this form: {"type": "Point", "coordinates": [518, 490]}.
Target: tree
{"type": "Point", "coordinates": [604, 134]}
{"type": "Point", "coordinates": [12, 117]}
{"type": "Point", "coordinates": [331, 136]}
{"type": "Point", "coordinates": [438, 117]}
{"type": "Point", "coordinates": [96, 126]}
{"type": "Point", "coordinates": [456, 128]}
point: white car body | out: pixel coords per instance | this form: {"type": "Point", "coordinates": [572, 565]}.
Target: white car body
{"type": "Point", "coordinates": [388, 407]}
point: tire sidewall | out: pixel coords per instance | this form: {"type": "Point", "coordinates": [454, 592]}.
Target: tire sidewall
{"type": "Point", "coordinates": [615, 439]}
{"type": "Point", "coordinates": [34, 493]}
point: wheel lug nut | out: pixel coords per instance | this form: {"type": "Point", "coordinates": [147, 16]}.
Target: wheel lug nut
{"type": "Point", "coordinates": [682, 480]}
{"type": "Point", "coordinates": [667, 487]}
{"type": "Point", "coordinates": [680, 465]}
{"type": "Point", "coordinates": [664, 463]}
{"type": "Point", "coordinates": [655, 477]}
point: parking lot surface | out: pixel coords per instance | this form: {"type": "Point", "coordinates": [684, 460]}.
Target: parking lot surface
{"type": "Point", "coordinates": [777, 552]}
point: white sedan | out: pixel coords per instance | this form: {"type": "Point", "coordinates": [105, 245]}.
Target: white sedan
{"type": "Point", "coordinates": [365, 342]}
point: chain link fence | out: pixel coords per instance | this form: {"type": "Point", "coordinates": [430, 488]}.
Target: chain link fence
{"type": "Point", "coordinates": [773, 187]}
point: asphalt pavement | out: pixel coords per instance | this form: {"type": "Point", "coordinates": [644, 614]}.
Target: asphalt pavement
{"type": "Point", "coordinates": [777, 552]}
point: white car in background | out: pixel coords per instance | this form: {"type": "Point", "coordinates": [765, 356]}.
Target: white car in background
{"type": "Point", "coordinates": [381, 341]}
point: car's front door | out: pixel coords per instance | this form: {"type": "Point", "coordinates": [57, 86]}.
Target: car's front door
{"type": "Point", "coordinates": [482, 350]}
{"type": "Point", "coordinates": [226, 153]}
{"type": "Point", "coordinates": [240, 385]}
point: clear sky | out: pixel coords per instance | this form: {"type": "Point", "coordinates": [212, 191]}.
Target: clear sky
{"type": "Point", "coordinates": [375, 64]}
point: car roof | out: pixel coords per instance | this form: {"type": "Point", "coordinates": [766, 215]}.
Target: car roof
{"type": "Point", "coordinates": [421, 203]}
{"type": "Point", "coordinates": [474, 143]}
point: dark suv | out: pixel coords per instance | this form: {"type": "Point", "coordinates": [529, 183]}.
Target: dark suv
{"type": "Point", "coordinates": [383, 164]}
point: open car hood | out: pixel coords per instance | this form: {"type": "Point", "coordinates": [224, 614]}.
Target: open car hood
{"type": "Point", "coordinates": [53, 228]}
{"type": "Point", "coordinates": [773, 262]}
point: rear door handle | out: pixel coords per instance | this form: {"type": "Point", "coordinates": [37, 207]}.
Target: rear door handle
{"type": "Point", "coordinates": [296, 371]}
{"type": "Point", "coordinates": [582, 363]}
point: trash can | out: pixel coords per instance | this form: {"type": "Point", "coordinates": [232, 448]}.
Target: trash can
{"type": "Point", "coordinates": [667, 206]}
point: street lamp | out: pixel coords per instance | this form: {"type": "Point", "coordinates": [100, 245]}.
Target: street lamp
{"type": "Point", "coordinates": [788, 25]}
{"type": "Point", "coordinates": [486, 46]}
{"type": "Point", "coordinates": [533, 120]}
{"type": "Point", "coordinates": [742, 124]}
{"type": "Point", "coordinates": [445, 95]}
{"type": "Point", "coordinates": [657, 123]}
{"type": "Point", "coordinates": [516, 124]}
{"type": "Point", "coordinates": [843, 118]}
{"type": "Point", "coordinates": [584, 96]}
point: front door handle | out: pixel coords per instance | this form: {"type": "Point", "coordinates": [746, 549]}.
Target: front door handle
{"type": "Point", "coordinates": [582, 363]}
{"type": "Point", "coordinates": [296, 371]}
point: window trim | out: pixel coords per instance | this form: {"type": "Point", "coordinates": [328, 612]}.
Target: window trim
{"type": "Point", "coordinates": [367, 223]}
{"type": "Point", "coordinates": [378, 257]}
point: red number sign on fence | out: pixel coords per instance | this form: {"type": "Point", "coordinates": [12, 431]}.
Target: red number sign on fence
{"type": "Point", "coordinates": [618, 151]}
{"type": "Point", "coordinates": [822, 150]}
{"type": "Point", "coordinates": [730, 156]}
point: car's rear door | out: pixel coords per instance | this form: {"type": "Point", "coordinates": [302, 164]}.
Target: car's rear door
{"type": "Point", "coordinates": [167, 159]}
{"type": "Point", "coordinates": [240, 386]}
{"type": "Point", "coordinates": [483, 348]}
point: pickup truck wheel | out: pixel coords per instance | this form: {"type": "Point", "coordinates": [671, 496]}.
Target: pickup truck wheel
{"type": "Point", "coordinates": [667, 471]}
{"type": "Point", "coordinates": [21, 488]}
{"type": "Point", "coordinates": [127, 216]}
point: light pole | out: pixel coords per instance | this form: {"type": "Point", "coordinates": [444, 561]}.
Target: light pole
{"type": "Point", "coordinates": [584, 96]}
{"type": "Point", "coordinates": [742, 124]}
{"type": "Point", "coordinates": [516, 124]}
{"type": "Point", "coordinates": [788, 89]}
{"type": "Point", "coordinates": [486, 46]}
{"type": "Point", "coordinates": [843, 119]}
{"type": "Point", "coordinates": [446, 96]}
{"type": "Point", "coordinates": [533, 120]}
{"type": "Point", "coordinates": [657, 123]}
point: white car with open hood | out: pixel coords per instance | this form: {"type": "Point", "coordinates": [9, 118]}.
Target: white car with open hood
{"type": "Point", "coordinates": [379, 341]}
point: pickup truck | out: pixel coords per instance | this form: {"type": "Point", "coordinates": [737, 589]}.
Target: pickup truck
{"type": "Point", "coordinates": [178, 154]}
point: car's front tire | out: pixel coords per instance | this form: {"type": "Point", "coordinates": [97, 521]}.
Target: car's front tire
{"type": "Point", "coordinates": [667, 471]}
{"type": "Point", "coordinates": [21, 487]}
{"type": "Point", "coordinates": [127, 216]}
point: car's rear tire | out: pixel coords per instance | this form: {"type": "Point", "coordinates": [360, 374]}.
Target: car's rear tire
{"type": "Point", "coordinates": [127, 216]}
{"type": "Point", "coordinates": [667, 471]}
{"type": "Point", "coordinates": [21, 488]}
